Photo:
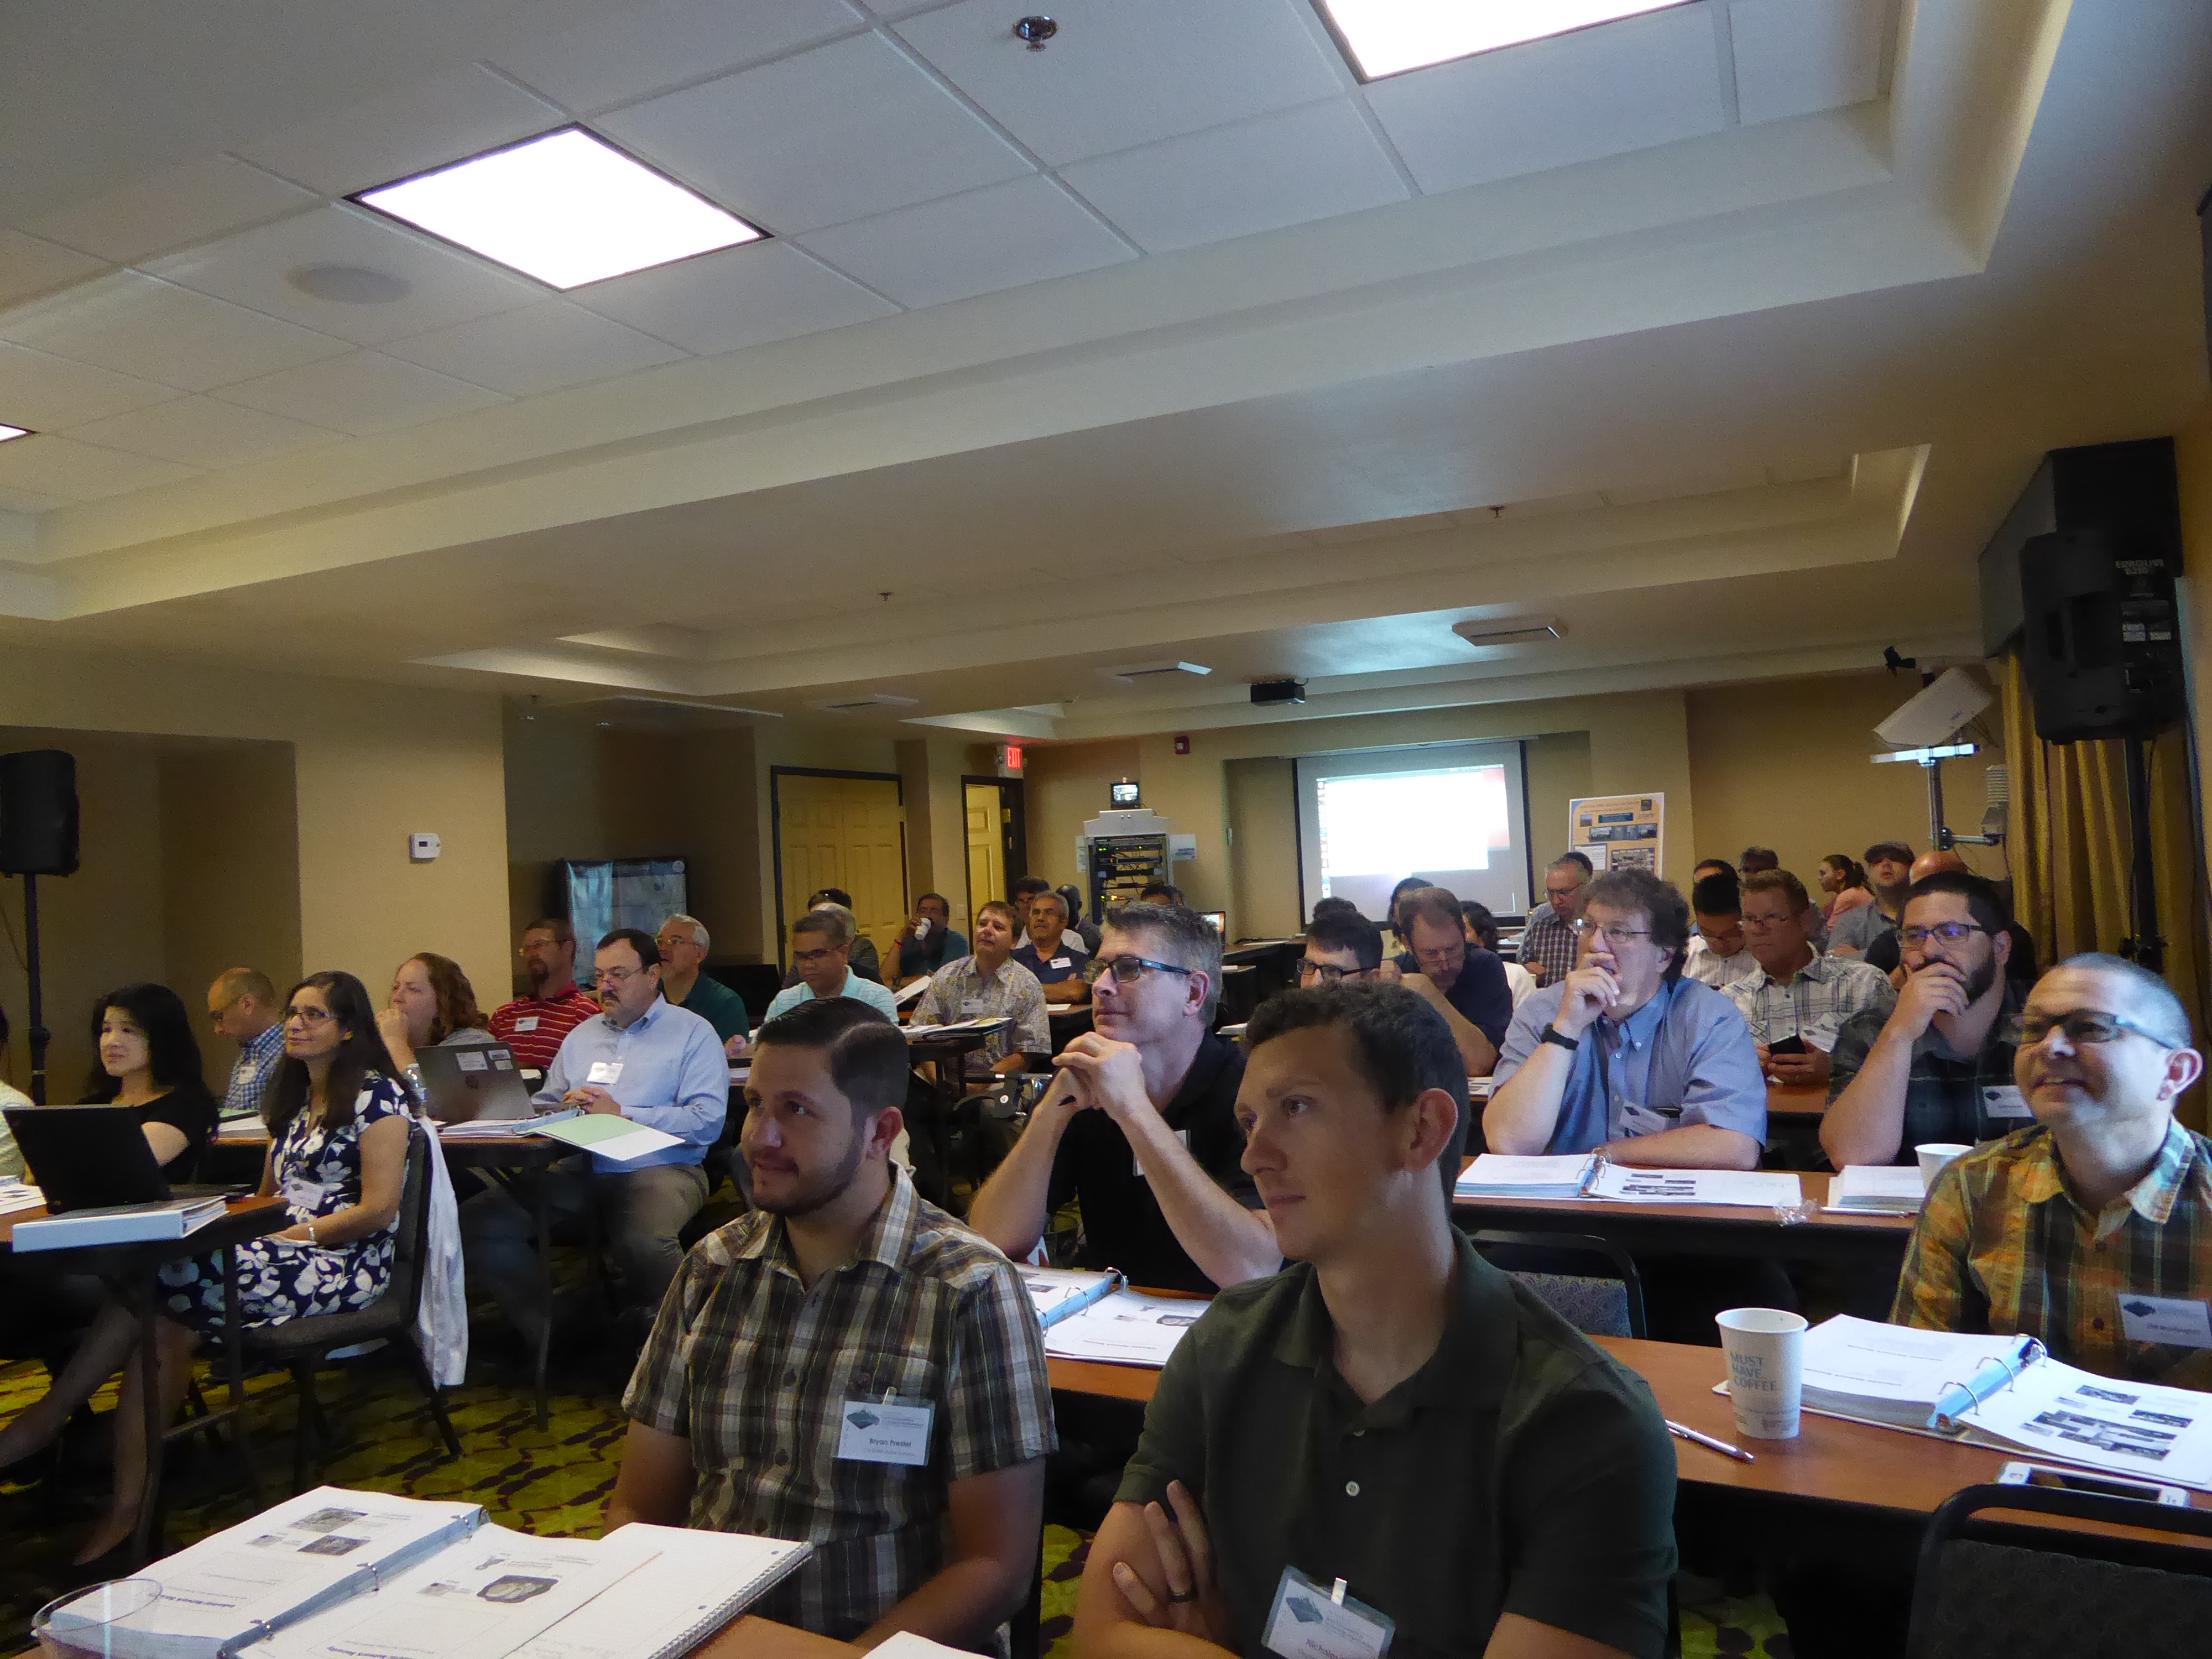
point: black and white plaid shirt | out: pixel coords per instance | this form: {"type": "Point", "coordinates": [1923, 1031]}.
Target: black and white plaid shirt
{"type": "Point", "coordinates": [1547, 944]}
{"type": "Point", "coordinates": [755, 1371]}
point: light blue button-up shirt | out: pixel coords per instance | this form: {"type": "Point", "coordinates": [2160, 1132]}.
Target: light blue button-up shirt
{"type": "Point", "coordinates": [860, 990]}
{"type": "Point", "coordinates": [674, 1077]}
{"type": "Point", "coordinates": [1721, 1083]}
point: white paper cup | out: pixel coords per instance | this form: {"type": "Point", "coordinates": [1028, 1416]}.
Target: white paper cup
{"type": "Point", "coordinates": [1933, 1156]}
{"type": "Point", "coordinates": [1765, 1349]}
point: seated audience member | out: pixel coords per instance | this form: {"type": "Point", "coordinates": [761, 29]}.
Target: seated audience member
{"type": "Point", "coordinates": [642, 1059]}
{"type": "Point", "coordinates": [1078, 924]}
{"type": "Point", "coordinates": [1844, 879]}
{"type": "Point", "coordinates": [150, 1061]}
{"type": "Point", "coordinates": [1716, 955]}
{"type": "Point", "coordinates": [1139, 1124]}
{"type": "Point", "coordinates": [926, 944]}
{"type": "Point", "coordinates": [1754, 859]}
{"type": "Point", "coordinates": [1161, 892]}
{"type": "Point", "coordinates": [1705, 867]}
{"type": "Point", "coordinates": [1889, 867]}
{"type": "Point", "coordinates": [534, 1023]}
{"type": "Point", "coordinates": [1794, 991]}
{"type": "Point", "coordinates": [1885, 952]}
{"type": "Point", "coordinates": [2054, 1230]}
{"type": "Point", "coordinates": [1333, 906]}
{"type": "Point", "coordinates": [1547, 941]}
{"type": "Point", "coordinates": [1482, 930]}
{"type": "Point", "coordinates": [821, 952]}
{"type": "Point", "coordinates": [867, 962]}
{"type": "Point", "coordinates": [1019, 894]}
{"type": "Point", "coordinates": [1391, 918]}
{"type": "Point", "coordinates": [842, 1286]}
{"type": "Point", "coordinates": [338, 1117]}
{"type": "Point", "coordinates": [1054, 956]}
{"type": "Point", "coordinates": [1341, 945]}
{"type": "Point", "coordinates": [242, 1006]}
{"type": "Point", "coordinates": [1390, 1412]}
{"type": "Point", "coordinates": [1464, 983]}
{"type": "Point", "coordinates": [1939, 1065]}
{"type": "Point", "coordinates": [1627, 1053]}
{"type": "Point", "coordinates": [683, 942]}
{"type": "Point", "coordinates": [433, 1005]}
{"type": "Point", "coordinates": [986, 986]}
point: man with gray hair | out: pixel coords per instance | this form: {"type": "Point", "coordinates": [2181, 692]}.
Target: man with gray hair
{"type": "Point", "coordinates": [1548, 942]}
{"type": "Point", "coordinates": [683, 943]}
{"type": "Point", "coordinates": [821, 954]}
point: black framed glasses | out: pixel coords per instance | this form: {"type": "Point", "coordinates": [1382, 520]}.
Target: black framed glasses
{"type": "Point", "coordinates": [2084, 1027]}
{"type": "Point", "coordinates": [1128, 970]}
{"type": "Point", "coordinates": [1951, 933]}
{"type": "Point", "coordinates": [1612, 934]}
{"type": "Point", "coordinates": [1326, 973]}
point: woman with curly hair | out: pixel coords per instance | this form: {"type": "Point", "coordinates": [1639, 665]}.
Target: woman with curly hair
{"type": "Point", "coordinates": [433, 1005]}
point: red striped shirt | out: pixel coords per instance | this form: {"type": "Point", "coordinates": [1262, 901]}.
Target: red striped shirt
{"type": "Point", "coordinates": [533, 1026]}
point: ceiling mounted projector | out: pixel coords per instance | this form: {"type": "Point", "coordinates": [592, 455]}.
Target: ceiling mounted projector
{"type": "Point", "coordinates": [1941, 708]}
{"type": "Point", "coordinates": [1265, 692]}
{"type": "Point", "coordinates": [1511, 630]}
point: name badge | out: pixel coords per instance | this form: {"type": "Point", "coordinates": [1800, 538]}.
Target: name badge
{"type": "Point", "coordinates": [469, 1060]}
{"type": "Point", "coordinates": [1060, 962]}
{"type": "Point", "coordinates": [527, 1023]}
{"type": "Point", "coordinates": [603, 1073]}
{"type": "Point", "coordinates": [1183, 1139]}
{"type": "Point", "coordinates": [302, 1194]}
{"type": "Point", "coordinates": [2005, 1100]}
{"type": "Point", "coordinates": [1309, 1622]}
{"type": "Point", "coordinates": [2172, 1320]}
{"type": "Point", "coordinates": [1642, 1121]}
{"type": "Point", "coordinates": [974, 1008]}
{"type": "Point", "coordinates": [884, 1432]}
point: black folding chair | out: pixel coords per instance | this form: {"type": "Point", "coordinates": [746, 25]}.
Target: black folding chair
{"type": "Point", "coordinates": [1609, 1304]}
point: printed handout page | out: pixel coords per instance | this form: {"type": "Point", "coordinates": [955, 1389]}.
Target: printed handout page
{"type": "Point", "coordinates": [2141, 1429]}
{"type": "Point", "coordinates": [1897, 1189]}
{"type": "Point", "coordinates": [1762, 1189]}
{"type": "Point", "coordinates": [697, 1582]}
{"type": "Point", "coordinates": [1891, 1374]}
{"type": "Point", "coordinates": [1496, 1175]}
{"type": "Point", "coordinates": [1126, 1328]}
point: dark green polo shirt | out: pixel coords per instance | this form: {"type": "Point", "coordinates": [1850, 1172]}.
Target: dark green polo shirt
{"type": "Point", "coordinates": [1518, 1471]}
{"type": "Point", "coordinates": [719, 1006]}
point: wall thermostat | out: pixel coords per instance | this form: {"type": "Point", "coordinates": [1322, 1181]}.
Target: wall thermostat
{"type": "Point", "coordinates": [422, 845]}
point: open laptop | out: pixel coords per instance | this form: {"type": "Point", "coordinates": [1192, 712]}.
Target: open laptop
{"type": "Point", "coordinates": [463, 1085]}
{"type": "Point", "coordinates": [85, 1157]}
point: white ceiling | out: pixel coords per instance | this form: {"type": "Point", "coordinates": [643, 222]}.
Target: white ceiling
{"type": "Point", "coordinates": [1172, 338]}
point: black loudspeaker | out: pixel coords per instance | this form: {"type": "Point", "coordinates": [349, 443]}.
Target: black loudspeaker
{"type": "Point", "coordinates": [38, 813]}
{"type": "Point", "coordinates": [2103, 643]}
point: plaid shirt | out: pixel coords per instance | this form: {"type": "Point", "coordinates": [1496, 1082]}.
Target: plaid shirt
{"type": "Point", "coordinates": [250, 1075]}
{"type": "Point", "coordinates": [2002, 1247]}
{"type": "Point", "coordinates": [1946, 1095]}
{"type": "Point", "coordinates": [1822, 994]}
{"type": "Point", "coordinates": [1547, 943]}
{"type": "Point", "coordinates": [1012, 990]}
{"type": "Point", "coordinates": [755, 1371]}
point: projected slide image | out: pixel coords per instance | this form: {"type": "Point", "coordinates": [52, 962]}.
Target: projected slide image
{"type": "Point", "coordinates": [1378, 828]}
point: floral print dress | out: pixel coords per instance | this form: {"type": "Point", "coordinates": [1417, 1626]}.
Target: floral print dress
{"type": "Point", "coordinates": [318, 1173]}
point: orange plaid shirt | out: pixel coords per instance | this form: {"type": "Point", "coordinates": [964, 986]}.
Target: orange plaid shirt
{"type": "Point", "coordinates": [2002, 1247]}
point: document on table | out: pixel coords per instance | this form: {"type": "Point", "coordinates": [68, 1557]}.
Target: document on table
{"type": "Point", "coordinates": [1499, 1175]}
{"type": "Point", "coordinates": [697, 1584]}
{"type": "Point", "coordinates": [2141, 1429]}
{"type": "Point", "coordinates": [604, 1135]}
{"type": "Point", "coordinates": [15, 1195]}
{"type": "Point", "coordinates": [1758, 1188]}
{"type": "Point", "coordinates": [1059, 1293]}
{"type": "Point", "coordinates": [1892, 1374]}
{"type": "Point", "coordinates": [1126, 1329]}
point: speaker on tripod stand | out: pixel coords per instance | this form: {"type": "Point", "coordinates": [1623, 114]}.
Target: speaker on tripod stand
{"type": "Point", "coordinates": [38, 838]}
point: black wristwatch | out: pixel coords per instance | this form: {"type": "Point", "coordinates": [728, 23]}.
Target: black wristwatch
{"type": "Point", "coordinates": [1552, 1034]}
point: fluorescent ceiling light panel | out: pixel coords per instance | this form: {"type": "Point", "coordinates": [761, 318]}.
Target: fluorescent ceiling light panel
{"type": "Point", "coordinates": [8, 431]}
{"type": "Point", "coordinates": [1388, 37]}
{"type": "Point", "coordinates": [566, 208]}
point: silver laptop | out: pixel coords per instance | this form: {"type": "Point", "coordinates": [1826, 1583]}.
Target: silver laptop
{"type": "Point", "coordinates": [462, 1085]}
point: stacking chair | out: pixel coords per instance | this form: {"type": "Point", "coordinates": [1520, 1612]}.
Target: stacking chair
{"type": "Point", "coordinates": [1601, 1304]}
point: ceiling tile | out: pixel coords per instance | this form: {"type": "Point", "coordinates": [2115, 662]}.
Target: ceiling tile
{"type": "Point", "coordinates": [204, 432]}
{"type": "Point", "coordinates": [845, 130]}
{"type": "Point", "coordinates": [642, 48]}
{"type": "Point", "coordinates": [255, 268]}
{"type": "Point", "coordinates": [45, 392]}
{"type": "Point", "coordinates": [1125, 72]}
{"type": "Point", "coordinates": [136, 325]}
{"type": "Point", "coordinates": [537, 349]}
{"type": "Point", "coordinates": [745, 296]}
{"type": "Point", "coordinates": [28, 266]}
{"type": "Point", "coordinates": [1599, 91]}
{"type": "Point", "coordinates": [174, 208]}
{"type": "Point", "coordinates": [77, 471]}
{"type": "Point", "coordinates": [1794, 56]}
{"type": "Point", "coordinates": [1022, 232]}
{"type": "Point", "coordinates": [362, 393]}
{"type": "Point", "coordinates": [1285, 169]}
{"type": "Point", "coordinates": [405, 131]}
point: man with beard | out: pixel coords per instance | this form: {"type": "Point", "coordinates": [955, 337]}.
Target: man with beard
{"type": "Point", "coordinates": [846, 1365]}
{"type": "Point", "coordinates": [1938, 1066]}
{"type": "Point", "coordinates": [534, 1023]}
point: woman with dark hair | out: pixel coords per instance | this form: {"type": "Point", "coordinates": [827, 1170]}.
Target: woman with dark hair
{"type": "Point", "coordinates": [339, 1123]}
{"type": "Point", "coordinates": [432, 1006]}
{"type": "Point", "coordinates": [1844, 879]}
{"type": "Point", "coordinates": [150, 1061]}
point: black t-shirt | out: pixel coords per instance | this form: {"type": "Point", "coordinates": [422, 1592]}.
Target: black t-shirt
{"type": "Point", "coordinates": [1122, 1225]}
{"type": "Point", "coordinates": [1482, 994]}
{"type": "Point", "coordinates": [193, 1112]}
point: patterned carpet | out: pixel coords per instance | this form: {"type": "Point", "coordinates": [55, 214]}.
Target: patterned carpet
{"type": "Point", "coordinates": [552, 1481]}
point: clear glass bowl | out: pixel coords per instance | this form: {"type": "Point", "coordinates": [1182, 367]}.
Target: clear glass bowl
{"type": "Point", "coordinates": [81, 1625]}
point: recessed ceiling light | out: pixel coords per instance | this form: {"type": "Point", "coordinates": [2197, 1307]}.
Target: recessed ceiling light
{"type": "Point", "coordinates": [1388, 37]}
{"type": "Point", "coordinates": [566, 208]}
{"type": "Point", "coordinates": [8, 431]}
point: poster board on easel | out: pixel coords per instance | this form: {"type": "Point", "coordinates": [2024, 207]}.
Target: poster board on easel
{"type": "Point", "coordinates": [1619, 832]}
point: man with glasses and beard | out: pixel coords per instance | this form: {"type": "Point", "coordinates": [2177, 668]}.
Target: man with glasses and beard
{"type": "Point", "coordinates": [1939, 1066]}
{"type": "Point", "coordinates": [846, 1365]}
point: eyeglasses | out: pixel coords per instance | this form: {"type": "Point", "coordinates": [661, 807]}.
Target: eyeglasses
{"type": "Point", "coordinates": [2084, 1027]}
{"type": "Point", "coordinates": [310, 1018]}
{"type": "Point", "coordinates": [616, 976]}
{"type": "Point", "coordinates": [1949, 932]}
{"type": "Point", "coordinates": [1764, 922]}
{"type": "Point", "coordinates": [1610, 933]}
{"type": "Point", "coordinates": [1327, 972]}
{"type": "Point", "coordinates": [809, 957]}
{"type": "Point", "coordinates": [1128, 970]}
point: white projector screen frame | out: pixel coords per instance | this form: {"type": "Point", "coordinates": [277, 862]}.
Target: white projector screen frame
{"type": "Point", "coordinates": [1470, 772]}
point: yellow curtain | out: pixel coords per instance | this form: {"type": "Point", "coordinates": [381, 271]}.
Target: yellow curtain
{"type": "Point", "coordinates": [2069, 846]}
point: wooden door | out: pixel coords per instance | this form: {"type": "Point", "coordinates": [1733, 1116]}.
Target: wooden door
{"type": "Point", "coordinates": [847, 833]}
{"type": "Point", "coordinates": [987, 859]}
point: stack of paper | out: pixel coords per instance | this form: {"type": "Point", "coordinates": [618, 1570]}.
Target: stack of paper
{"type": "Point", "coordinates": [603, 1135]}
{"type": "Point", "coordinates": [16, 1196]}
{"type": "Point", "coordinates": [117, 1224]}
{"type": "Point", "coordinates": [1887, 1189]}
{"type": "Point", "coordinates": [958, 1028]}
{"type": "Point", "coordinates": [1759, 1188]}
{"type": "Point", "coordinates": [1889, 1374]}
{"type": "Point", "coordinates": [485, 1127]}
{"type": "Point", "coordinates": [1496, 1176]}
{"type": "Point", "coordinates": [911, 994]}
{"type": "Point", "coordinates": [1126, 1329]}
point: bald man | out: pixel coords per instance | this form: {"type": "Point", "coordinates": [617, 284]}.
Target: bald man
{"type": "Point", "coordinates": [1884, 953]}
{"type": "Point", "coordinates": [242, 1004]}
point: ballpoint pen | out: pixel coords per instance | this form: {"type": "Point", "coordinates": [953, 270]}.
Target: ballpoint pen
{"type": "Point", "coordinates": [1709, 1443]}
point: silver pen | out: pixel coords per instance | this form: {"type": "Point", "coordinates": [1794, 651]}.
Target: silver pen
{"type": "Point", "coordinates": [1709, 1443]}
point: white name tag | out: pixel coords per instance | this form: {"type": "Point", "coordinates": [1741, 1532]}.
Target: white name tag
{"type": "Point", "coordinates": [974, 1008]}
{"type": "Point", "coordinates": [302, 1194]}
{"type": "Point", "coordinates": [2005, 1100]}
{"type": "Point", "coordinates": [1309, 1622]}
{"type": "Point", "coordinates": [2172, 1320]}
{"type": "Point", "coordinates": [527, 1023]}
{"type": "Point", "coordinates": [1183, 1139]}
{"type": "Point", "coordinates": [468, 1060]}
{"type": "Point", "coordinates": [605, 1073]}
{"type": "Point", "coordinates": [883, 1431]}
{"type": "Point", "coordinates": [1059, 962]}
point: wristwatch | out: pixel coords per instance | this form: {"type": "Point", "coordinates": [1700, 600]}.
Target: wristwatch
{"type": "Point", "coordinates": [1552, 1034]}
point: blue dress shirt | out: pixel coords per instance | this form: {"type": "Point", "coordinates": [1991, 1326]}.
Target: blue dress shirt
{"type": "Point", "coordinates": [674, 1077]}
{"type": "Point", "coordinates": [860, 990]}
{"type": "Point", "coordinates": [1609, 1091]}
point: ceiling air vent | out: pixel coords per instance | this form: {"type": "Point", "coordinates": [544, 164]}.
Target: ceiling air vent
{"type": "Point", "coordinates": [1138, 673]}
{"type": "Point", "coordinates": [873, 700]}
{"type": "Point", "coordinates": [1511, 630]}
